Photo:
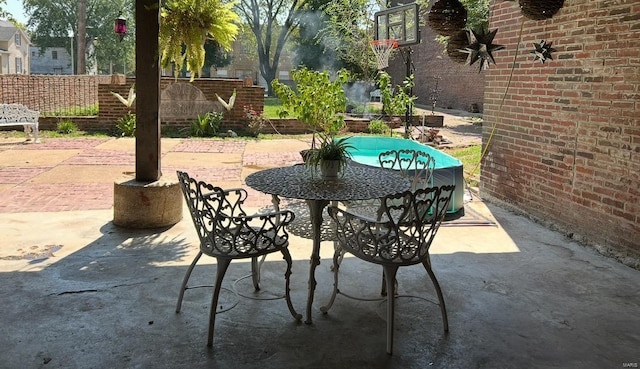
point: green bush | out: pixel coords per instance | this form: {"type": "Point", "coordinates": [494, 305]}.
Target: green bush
{"type": "Point", "coordinates": [207, 125]}
{"type": "Point", "coordinates": [66, 127]}
{"type": "Point", "coordinates": [379, 127]}
{"type": "Point", "coordinates": [126, 125]}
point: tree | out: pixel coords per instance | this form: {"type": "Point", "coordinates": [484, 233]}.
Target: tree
{"type": "Point", "coordinates": [348, 31]}
{"type": "Point", "coordinates": [272, 22]}
{"type": "Point", "coordinates": [309, 51]}
{"type": "Point", "coordinates": [52, 21]}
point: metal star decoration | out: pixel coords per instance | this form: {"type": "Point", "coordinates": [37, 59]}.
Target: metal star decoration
{"type": "Point", "coordinates": [543, 51]}
{"type": "Point", "coordinates": [481, 47]}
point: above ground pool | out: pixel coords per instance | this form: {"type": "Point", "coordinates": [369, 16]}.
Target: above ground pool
{"type": "Point", "coordinates": [448, 170]}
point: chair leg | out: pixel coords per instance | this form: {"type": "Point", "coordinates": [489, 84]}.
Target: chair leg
{"type": "Point", "coordinates": [223, 264]}
{"type": "Point", "coordinates": [185, 280]}
{"type": "Point", "coordinates": [338, 255]}
{"type": "Point", "coordinates": [287, 290]}
{"type": "Point", "coordinates": [443, 309]}
{"type": "Point", "coordinates": [390, 277]}
{"type": "Point", "coordinates": [256, 266]}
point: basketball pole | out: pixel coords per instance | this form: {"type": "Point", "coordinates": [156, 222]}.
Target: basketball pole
{"type": "Point", "coordinates": [407, 114]}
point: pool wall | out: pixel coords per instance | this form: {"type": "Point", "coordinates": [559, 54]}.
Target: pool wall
{"type": "Point", "coordinates": [448, 170]}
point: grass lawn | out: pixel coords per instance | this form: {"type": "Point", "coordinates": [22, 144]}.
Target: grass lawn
{"type": "Point", "coordinates": [271, 107]}
{"type": "Point", "coordinates": [470, 157]}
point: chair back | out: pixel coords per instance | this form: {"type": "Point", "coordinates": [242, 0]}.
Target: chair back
{"type": "Point", "coordinates": [204, 201]}
{"type": "Point", "coordinates": [224, 227]}
{"type": "Point", "coordinates": [412, 219]}
{"type": "Point", "coordinates": [415, 165]}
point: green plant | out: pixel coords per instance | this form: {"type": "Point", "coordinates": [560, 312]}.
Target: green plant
{"type": "Point", "coordinates": [336, 149]}
{"type": "Point", "coordinates": [255, 122]}
{"type": "Point", "coordinates": [317, 101]}
{"type": "Point", "coordinates": [207, 125]}
{"type": "Point", "coordinates": [185, 26]}
{"type": "Point", "coordinates": [126, 125]}
{"type": "Point", "coordinates": [66, 127]}
{"type": "Point", "coordinates": [378, 126]}
{"type": "Point", "coordinates": [395, 101]}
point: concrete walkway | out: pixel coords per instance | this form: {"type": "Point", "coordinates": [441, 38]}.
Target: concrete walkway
{"type": "Point", "coordinates": [78, 292]}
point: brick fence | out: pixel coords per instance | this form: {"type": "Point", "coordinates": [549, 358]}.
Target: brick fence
{"type": "Point", "coordinates": [566, 143]}
{"type": "Point", "coordinates": [111, 109]}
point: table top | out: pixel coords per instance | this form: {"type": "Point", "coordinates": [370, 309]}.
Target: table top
{"type": "Point", "coordinates": [299, 182]}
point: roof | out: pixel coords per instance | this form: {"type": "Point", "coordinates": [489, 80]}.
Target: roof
{"type": "Point", "coordinates": [8, 29]}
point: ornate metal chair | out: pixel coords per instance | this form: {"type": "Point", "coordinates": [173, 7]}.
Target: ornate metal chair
{"type": "Point", "coordinates": [226, 233]}
{"type": "Point", "coordinates": [418, 166]}
{"type": "Point", "coordinates": [415, 165]}
{"type": "Point", "coordinates": [404, 236]}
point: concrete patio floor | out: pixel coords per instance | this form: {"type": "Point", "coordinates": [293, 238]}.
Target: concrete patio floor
{"type": "Point", "coordinates": [79, 292]}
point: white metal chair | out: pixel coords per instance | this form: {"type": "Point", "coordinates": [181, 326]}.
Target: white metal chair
{"type": "Point", "coordinates": [226, 233]}
{"type": "Point", "coordinates": [404, 236]}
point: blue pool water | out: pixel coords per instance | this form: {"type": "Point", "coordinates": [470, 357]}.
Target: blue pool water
{"type": "Point", "coordinates": [448, 170]}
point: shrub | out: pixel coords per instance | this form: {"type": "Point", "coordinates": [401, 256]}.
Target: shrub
{"type": "Point", "coordinates": [379, 127]}
{"type": "Point", "coordinates": [255, 122]}
{"type": "Point", "coordinates": [66, 127]}
{"type": "Point", "coordinates": [126, 125]}
{"type": "Point", "coordinates": [207, 125]}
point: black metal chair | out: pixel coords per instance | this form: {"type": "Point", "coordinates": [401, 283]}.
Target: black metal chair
{"type": "Point", "coordinates": [226, 233]}
{"type": "Point", "coordinates": [403, 237]}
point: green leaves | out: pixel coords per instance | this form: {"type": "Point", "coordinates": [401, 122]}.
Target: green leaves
{"type": "Point", "coordinates": [317, 100]}
{"type": "Point", "coordinates": [185, 26]}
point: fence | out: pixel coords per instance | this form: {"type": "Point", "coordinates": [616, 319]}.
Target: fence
{"type": "Point", "coordinates": [53, 95]}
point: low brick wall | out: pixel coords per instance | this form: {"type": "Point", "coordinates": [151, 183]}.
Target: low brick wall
{"type": "Point", "coordinates": [281, 126]}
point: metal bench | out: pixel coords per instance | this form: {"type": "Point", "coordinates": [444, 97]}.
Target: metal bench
{"type": "Point", "coordinates": [19, 115]}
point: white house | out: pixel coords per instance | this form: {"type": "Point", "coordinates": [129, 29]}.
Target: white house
{"type": "Point", "coordinates": [14, 49]}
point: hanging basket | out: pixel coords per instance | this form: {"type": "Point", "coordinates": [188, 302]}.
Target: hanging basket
{"type": "Point", "coordinates": [447, 17]}
{"type": "Point", "coordinates": [540, 9]}
{"type": "Point", "coordinates": [456, 43]}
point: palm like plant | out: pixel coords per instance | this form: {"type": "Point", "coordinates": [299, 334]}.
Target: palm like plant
{"type": "Point", "coordinates": [185, 26]}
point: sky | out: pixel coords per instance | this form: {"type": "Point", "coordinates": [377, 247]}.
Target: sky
{"type": "Point", "coordinates": [14, 7]}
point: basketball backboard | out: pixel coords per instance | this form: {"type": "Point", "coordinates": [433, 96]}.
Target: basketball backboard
{"type": "Point", "coordinates": [398, 23]}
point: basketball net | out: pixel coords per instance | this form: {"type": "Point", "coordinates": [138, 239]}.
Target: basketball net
{"type": "Point", "coordinates": [382, 50]}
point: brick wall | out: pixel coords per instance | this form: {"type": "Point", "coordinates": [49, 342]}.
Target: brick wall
{"type": "Point", "coordinates": [111, 109]}
{"type": "Point", "coordinates": [566, 145]}
{"type": "Point", "coordinates": [461, 85]}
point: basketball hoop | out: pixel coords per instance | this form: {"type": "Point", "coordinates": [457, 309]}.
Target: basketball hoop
{"type": "Point", "coordinates": [382, 50]}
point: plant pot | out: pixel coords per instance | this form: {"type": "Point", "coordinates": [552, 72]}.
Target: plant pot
{"type": "Point", "coordinates": [330, 169]}
{"type": "Point", "coordinates": [447, 17]}
{"type": "Point", "coordinates": [456, 43]}
{"type": "Point", "coordinates": [432, 120]}
{"type": "Point", "coordinates": [540, 9]}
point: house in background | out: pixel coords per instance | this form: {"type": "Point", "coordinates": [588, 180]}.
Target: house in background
{"type": "Point", "coordinates": [58, 60]}
{"type": "Point", "coordinates": [51, 60]}
{"type": "Point", "coordinates": [14, 49]}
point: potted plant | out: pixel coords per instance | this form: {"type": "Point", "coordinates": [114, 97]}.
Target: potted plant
{"type": "Point", "coordinates": [331, 157]}
{"type": "Point", "coordinates": [320, 103]}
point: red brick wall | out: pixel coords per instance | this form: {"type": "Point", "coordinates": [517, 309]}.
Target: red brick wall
{"type": "Point", "coordinates": [566, 145]}
{"type": "Point", "coordinates": [111, 109]}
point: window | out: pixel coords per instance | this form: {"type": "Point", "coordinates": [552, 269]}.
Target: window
{"type": "Point", "coordinates": [18, 39]}
{"type": "Point", "coordinates": [283, 75]}
{"type": "Point", "coordinates": [222, 73]}
{"type": "Point", "coordinates": [54, 54]}
{"type": "Point", "coordinates": [33, 54]}
{"type": "Point", "coordinates": [18, 65]}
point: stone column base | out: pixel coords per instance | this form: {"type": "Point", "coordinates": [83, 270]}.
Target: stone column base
{"type": "Point", "coordinates": [147, 204]}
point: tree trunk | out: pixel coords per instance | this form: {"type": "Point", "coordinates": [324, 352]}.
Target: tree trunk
{"type": "Point", "coordinates": [82, 37]}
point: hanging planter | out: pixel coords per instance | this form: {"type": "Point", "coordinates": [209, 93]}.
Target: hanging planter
{"type": "Point", "coordinates": [456, 44]}
{"type": "Point", "coordinates": [540, 9]}
{"type": "Point", "coordinates": [447, 17]}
